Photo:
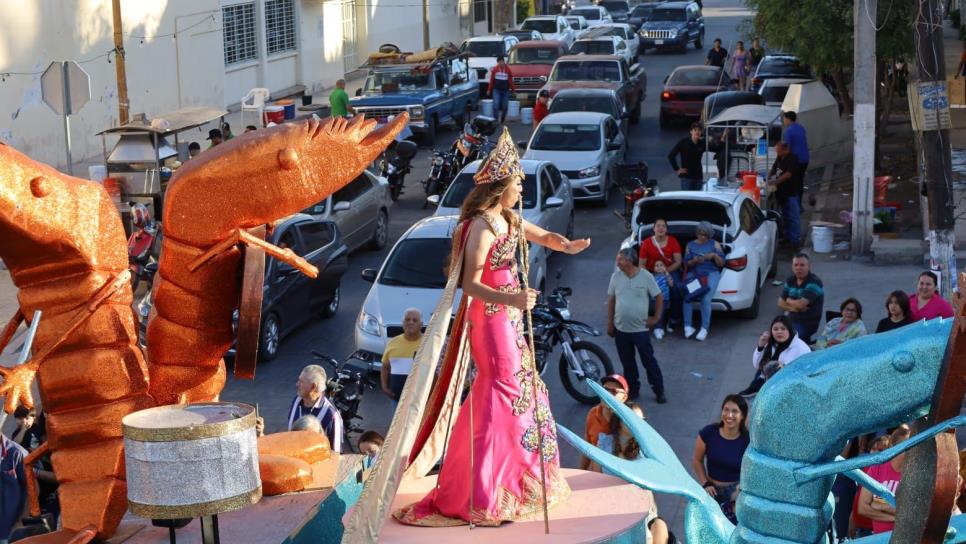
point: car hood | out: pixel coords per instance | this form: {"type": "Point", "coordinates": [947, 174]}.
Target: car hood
{"type": "Point", "coordinates": [566, 160]}
{"type": "Point", "coordinates": [531, 70]}
{"type": "Point", "coordinates": [662, 25]}
{"type": "Point", "coordinates": [395, 99]}
{"type": "Point", "coordinates": [388, 303]}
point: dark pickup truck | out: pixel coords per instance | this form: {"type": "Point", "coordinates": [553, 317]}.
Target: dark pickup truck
{"type": "Point", "coordinates": [602, 72]}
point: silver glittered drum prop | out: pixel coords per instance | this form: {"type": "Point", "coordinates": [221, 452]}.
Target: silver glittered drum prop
{"type": "Point", "coordinates": [194, 460]}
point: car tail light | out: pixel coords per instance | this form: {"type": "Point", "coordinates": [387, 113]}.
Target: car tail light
{"type": "Point", "coordinates": [756, 82]}
{"type": "Point", "coordinates": [737, 264]}
{"type": "Point", "coordinates": [667, 95]}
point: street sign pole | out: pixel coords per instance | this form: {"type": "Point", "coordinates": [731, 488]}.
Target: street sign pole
{"type": "Point", "coordinates": [67, 112]}
{"type": "Point", "coordinates": [65, 87]}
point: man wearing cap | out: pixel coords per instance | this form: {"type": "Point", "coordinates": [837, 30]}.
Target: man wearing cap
{"type": "Point", "coordinates": [628, 300]}
{"type": "Point", "coordinates": [598, 418]}
{"type": "Point", "coordinates": [215, 136]}
{"type": "Point", "coordinates": [542, 108]}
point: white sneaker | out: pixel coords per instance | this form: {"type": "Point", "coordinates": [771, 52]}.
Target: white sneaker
{"type": "Point", "coordinates": [702, 334]}
{"type": "Point", "coordinates": [658, 333]}
{"type": "Point", "coordinates": [688, 331]}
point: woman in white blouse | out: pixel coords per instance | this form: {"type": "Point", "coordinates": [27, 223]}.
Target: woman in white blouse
{"type": "Point", "coordinates": [778, 343]}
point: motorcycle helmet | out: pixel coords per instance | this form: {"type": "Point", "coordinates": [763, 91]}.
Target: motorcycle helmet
{"type": "Point", "coordinates": [140, 216]}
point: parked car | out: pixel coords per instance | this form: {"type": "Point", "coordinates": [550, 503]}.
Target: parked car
{"type": "Point", "coordinates": [603, 45]}
{"type": "Point", "coordinates": [433, 93]}
{"type": "Point", "coordinates": [291, 298]}
{"type": "Point", "coordinates": [531, 63]}
{"type": "Point", "coordinates": [618, 9]}
{"type": "Point", "coordinates": [361, 211]}
{"type": "Point", "coordinates": [685, 89]}
{"type": "Point", "coordinates": [551, 27]}
{"type": "Point", "coordinates": [622, 30]}
{"type": "Point", "coordinates": [482, 52]}
{"type": "Point", "coordinates": [603, 72]}
{"type": "Point", "coordinates": [599, 100]}
{"type": "Point", "coordinates": [773, 91]}
{"type": "Point", "coordinates": [674, 25]}
{"type": "Point", "coordinates": [641, 14]}
{"type": "Point", "coordinates": [779, 66]}
{"type": "Point", "coordinates": [748, 236]}
{"type": "Point", "coordinates": [577, 23]}
{"type": "Point", "coordinates": [595, 15]}
{"type": "Point", "coordinates": [523, 35]}
{"type": "Point", "coordinates": [586, 146]}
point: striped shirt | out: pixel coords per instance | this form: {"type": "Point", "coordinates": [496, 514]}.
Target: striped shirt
{"type": "Point", "coordinates": [328, 416]}
{"type": "Point", "coordinates": [812, 290]}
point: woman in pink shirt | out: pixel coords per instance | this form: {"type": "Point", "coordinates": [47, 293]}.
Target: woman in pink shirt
{"type": "Point", "coordinates": [926, 303]}
{"type": "Point", "coordinates": [882, 514]}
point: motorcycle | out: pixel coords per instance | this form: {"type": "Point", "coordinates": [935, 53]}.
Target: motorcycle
{"type": "Point", "coordinates": [631, 182]}
{"type": "Point", "coordinates": [474, 142]}
{"type": "Point", "coordinates": [345, 387]}
{"type": "Point", "coordinates": [441, 172]}
{"type": "Point", "coordinates": [142, 243]}
{"type": "Point", "coordinates": [580, 360]}
{"type": "Point", "coordinates": [396, 168]}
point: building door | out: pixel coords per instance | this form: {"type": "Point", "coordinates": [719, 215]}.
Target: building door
{"type": "Point", "coordinates": [350, 61]}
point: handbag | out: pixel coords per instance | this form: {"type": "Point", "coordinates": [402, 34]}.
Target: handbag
{"type": "Point", "coordinates": [695, 287]}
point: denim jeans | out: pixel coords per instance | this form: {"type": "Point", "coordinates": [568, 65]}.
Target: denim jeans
{"type": "Point", "coordinates": [500, 101]}
{"type": "Point", "coordinates": [804, 329]}
{"type": "Point", "coordinates": [713, 278]}
{"type": "Point", "coordinates": [791, 212]}
{"type": "Point", "coordinates": [691, 184]}
{"type": "Point", "coordinates": [627, 343]}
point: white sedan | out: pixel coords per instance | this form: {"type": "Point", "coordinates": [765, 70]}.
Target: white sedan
{"type": "Point", "coordinates": [625, 31]}
{"type": "Point", "coordinates": [747, 234]}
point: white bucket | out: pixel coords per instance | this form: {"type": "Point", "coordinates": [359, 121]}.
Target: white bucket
{"type": "Point", "coordinates": [822, 239]}
{"type": "Point", "coordinates": [513, 109]}
{"type": "Point", "coordinates": [526, 116]}
{"type": "Point", "coordinates": [486, 107]}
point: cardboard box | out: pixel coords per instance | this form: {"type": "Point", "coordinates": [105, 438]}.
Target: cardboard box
{"type": "Point", "coordinates": [957, 91]}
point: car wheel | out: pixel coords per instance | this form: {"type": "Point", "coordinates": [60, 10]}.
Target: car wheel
{"type": "Point", "coordinates": [381, 234]}
{"type": "Point", "coordinates": [751, 312]}
{"type": "Point", "coordinates": [664, 121]}
{"type": "Point", "coordinates": [699, 43]}
{"type": "Point", "coordinates": [270, 339]}
{"type": "Point", "coordinates": [332, 307]}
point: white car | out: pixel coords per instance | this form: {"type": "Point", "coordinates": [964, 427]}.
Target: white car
{"type": "Point", "coordinates": [603, 45]}
{"type": "Point", "coordinates": [622, 30]}
{"type": "Point", "coordinates": [483, 52]}
{"type": "Point", "coordinates": [552, 27]}
{"type": "Point", "coordinates": [586, 146]}
{"type": "Point", "coordinates": [595, 15]}
{"type": "Point", "coordinates": [577, 22]}
{"type": "Point", "coordinates": [747, 234]}
{"type": "Point", "coordinates": [773, 91]}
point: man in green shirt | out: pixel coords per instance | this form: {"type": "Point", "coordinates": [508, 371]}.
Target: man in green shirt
{"type": "Point", "coordinates": [339, 100]}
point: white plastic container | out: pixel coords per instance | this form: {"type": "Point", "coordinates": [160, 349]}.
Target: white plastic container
{"type": "Point", "coordinates": [822, 239]}
{"type": "Point", "coordinates": [526, 116]}
{"type": "Point", "coordinates": [486, 107]}
{"type": "Point", "coordinates": [513, 109]}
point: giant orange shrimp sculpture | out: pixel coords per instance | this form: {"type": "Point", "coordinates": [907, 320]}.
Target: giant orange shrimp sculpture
{"type": "Point", "coordinates": [62, 239]}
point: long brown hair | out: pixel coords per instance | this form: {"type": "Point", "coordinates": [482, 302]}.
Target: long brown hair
{"type": "Point", "coordinates": [482, 197]}
{"type": "Point", "coordinates": [632, 450]}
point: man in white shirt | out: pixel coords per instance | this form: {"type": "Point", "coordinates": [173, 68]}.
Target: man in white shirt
{"type": "Point", "coordinates": [311, 400]}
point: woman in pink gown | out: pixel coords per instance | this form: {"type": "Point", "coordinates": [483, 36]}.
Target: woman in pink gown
{"type": "Point", "coordinates": [491, 472]}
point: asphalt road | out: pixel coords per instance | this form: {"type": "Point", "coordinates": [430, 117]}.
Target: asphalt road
{"type": "Point", "coordinates": [694, 372]}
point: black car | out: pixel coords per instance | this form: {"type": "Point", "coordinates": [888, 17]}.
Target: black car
{"type": "Point", "coordinates": [779, 66]}
{"type": "Point", "coordinates": [641, 14]}
{"type": "Point", "coordinates": [673, 25]}
{"type": "Point", "coordinates": [291, 298]}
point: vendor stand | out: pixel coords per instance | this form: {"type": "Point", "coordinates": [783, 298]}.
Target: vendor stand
{"type": "Point", "coordinates": [754, 131]}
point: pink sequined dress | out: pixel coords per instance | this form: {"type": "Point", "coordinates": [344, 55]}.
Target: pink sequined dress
{"type": "Point", "coordinates": [495, 455]}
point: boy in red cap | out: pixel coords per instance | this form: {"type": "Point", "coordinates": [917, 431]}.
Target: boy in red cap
{"type": "Point", "coordinates": [598, 418]}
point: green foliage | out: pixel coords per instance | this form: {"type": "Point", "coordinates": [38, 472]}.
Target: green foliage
{"type": "Point", "coordinates": [523, 10]}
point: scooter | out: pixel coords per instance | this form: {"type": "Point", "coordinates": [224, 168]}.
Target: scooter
{"type": "Point", "coordinates": [396, 168]}
{"type": "Point", "coordinates": [632, 184]}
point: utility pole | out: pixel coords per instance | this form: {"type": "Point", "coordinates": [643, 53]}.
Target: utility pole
{"type": "Point", "coordinates": [863, 125]}
{"type": "Point", "coordinates": [122, 102]}
{"type": "Point", "coordinates": [934, 158]}
{"type": "Point", "coordinates": [425, 25]}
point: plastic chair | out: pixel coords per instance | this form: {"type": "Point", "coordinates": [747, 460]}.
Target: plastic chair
{"type": "Point", "coordinates": [254, 102]}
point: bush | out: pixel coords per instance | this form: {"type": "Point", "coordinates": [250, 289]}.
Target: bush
{"type": "Point", "coordinates": [954, 17]}
{"type": "Point", "coordinates": [523, 10]}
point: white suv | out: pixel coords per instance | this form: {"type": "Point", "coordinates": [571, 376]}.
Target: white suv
{"type": "Point", "coordinates": [483, 52]}
{"type": "Point", "coordinates": [603, 45]}
{"type": "Point", "coordinates": [552, 27]}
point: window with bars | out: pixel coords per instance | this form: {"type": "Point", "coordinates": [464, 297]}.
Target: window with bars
{"type": "Point", "coordinates": [479, 11]}
{"type": "Point", "coordinates": [238, 23]}
{"type": "Point", "coordinates": [279, 26]}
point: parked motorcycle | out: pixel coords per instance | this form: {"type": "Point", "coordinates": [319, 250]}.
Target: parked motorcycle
{"type": "Point", "coordinates": [580, 360]}
{"type": "Point", "coordinates": [631, 182]}
{"type": "Point", "coordinates": [142, 243]}
{"type": "Point", "coordinates": [396, 168]}
{"type": "Point", "coordinates": [474, 142]}
{"type": "Point", "coordinates": [345, 388]}
{"type": "Point", "coordinates": [441, 172]}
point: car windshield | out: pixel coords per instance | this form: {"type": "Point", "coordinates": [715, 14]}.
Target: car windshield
{"type": "Point", "coordinates": [783, 67]}
{"type": "Point", "coordinates": [774, 93]}
{"type": "Point", "coordinates": [417, 262]}
{"type": "Point", "coordinates": [599, 104]}
{"type": "Point", "coordinates": [665, 14]}
{"type": "Point", "coordinates": [681, 210]}
{"type": "Point", "coordinates": [600, 70]}
{"type": "Point", "coordinates": [391, 81]}
{"type": "Point", "coordinates": [643, 12]}
{"type": "Point", "coordinates": [566, 137]}
{"type": "Point", "coordinates": [698, 78]}
{"type": "Point", "coordinates": [593, 47]}
{"type": "Point", "coordinates": [718, 105]}
{"type": "Point", "coordinates": [464, 183]}
{"type": "Point", "coordinates": [485, 49]}
{"type": "Point", "coordinates": [613, 6]}
{"type": "Point", "coordinates": [543, 26]}
{"type": "Point", "coordinates": [534, 55]}
{"type": "Point", "coordinates": [591, 14]}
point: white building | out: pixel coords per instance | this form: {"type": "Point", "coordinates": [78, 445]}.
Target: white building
{"type": "Point", "coordinates": [182, 53]}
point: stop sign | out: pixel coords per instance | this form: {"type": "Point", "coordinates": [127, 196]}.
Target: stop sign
{"type": "Point", "coordinates": [65, 87]}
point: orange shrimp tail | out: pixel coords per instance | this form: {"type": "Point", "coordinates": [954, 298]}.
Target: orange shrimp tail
{"type": "Point", "coordinates": [251, 180]}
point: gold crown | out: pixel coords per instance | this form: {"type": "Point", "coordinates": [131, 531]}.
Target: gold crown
{"type": "Point", "coordinates": [503, 161]}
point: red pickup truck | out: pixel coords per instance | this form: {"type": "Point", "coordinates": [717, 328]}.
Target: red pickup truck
{"type": "Point", "coordinates": [601, 71]}
{"type": "Point", "coordinates": [530, 63]}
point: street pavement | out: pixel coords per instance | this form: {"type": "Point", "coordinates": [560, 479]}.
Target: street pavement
{"type": "Point", "coordinates": [697, 375]}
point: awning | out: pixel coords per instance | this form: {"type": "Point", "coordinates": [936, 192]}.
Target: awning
{"type": "Point", "coordinates": [747, 113]}
{"type": "Point", "coordinates": [176, 121]}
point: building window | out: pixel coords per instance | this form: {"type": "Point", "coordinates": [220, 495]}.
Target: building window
{"type": "Point", "coordinates": [479, 11]}
{"type": "Point", "coordinates": [238, 22]}
{"type": "Point", "coordinates": [279, 26]}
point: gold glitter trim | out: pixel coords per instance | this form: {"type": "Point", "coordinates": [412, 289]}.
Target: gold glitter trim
{"type": "Point", "coordinates": [153, 511]}
{"type": "Point", "coordinates": [492, 308]}
{"type": "Point", "coordinates": [193, 432]}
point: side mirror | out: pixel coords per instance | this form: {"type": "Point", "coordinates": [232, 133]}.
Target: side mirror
{"type": "Point", "coordinates": [445, 89]}
{"type": "Point", "coordinates": [552, 202]}
{"type": "Point", "coordinates": [369, 274]}
{"type": "Point", "coordinates": [773, 215]}
{"type": "Point", "coordinates": [522, 144]}
{"type": "Point", "coordinates": [433, 199]}
{"type": "Point", "coordinates": [341, 206]}
{"type": "Point", "coordinates": [359, 92]}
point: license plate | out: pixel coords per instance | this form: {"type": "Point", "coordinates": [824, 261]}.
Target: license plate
{"type": "Point", "coordinates": [658, 42]}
